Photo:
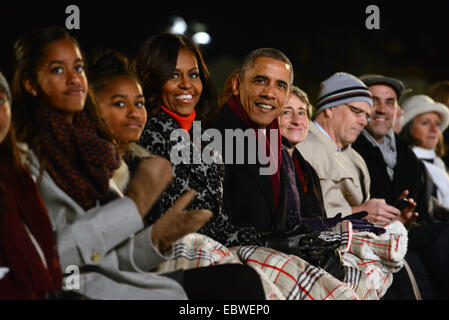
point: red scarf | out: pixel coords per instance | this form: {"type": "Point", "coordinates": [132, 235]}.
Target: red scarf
{"type": "Point", "coordinates": [80, 162]}
{"type": "Point", "coordinates": [236, 107]}
{"type": "Point", "coordinates": [302, 176]}
{"type": "Point", "coordinates": [184, 122]}
{"type": "Point", "coordinates": [28, 278]}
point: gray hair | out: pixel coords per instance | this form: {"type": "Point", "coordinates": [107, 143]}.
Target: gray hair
{"type": "Point", "coordinates": [248, 61]}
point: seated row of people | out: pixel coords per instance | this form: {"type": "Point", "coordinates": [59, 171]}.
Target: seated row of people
{"type": "Point", "coordinates": [116, 240]}
{"type": "Point", "coordinates": [70, 152]}
{"type": "Point", "coordinates": [371, 169]}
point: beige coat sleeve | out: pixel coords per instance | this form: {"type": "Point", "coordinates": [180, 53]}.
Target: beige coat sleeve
{"type": "Point", "coordinates": [344, 177]}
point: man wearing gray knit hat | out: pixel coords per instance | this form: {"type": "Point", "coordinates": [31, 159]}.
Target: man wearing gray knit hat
{"type": "Point", "coordinates": [342, 111]}
{"type": "Point", "coordinates": [342, 88]}
{"type": "Point", "coordinates": [343, 108]}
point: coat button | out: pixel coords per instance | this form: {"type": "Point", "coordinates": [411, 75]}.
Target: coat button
{"type": "Point", "coordinates": [95, 257]}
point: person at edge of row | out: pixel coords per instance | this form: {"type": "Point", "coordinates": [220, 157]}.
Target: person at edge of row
{"type": "Point", "coordinates": [439, 92]}
{"type": "Point", "coordinates": [29, 262]}
{"type": "Point", "coordinates": [121, 101]}
{"type": "Point", "coordinates": [60, 124]}
{"type": "Point", "coordinates": [424, 120]}
{"type": "Point", "coordinates": [343, 109]}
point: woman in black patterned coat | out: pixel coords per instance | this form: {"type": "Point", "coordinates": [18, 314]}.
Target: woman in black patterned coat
{"type": "Point", "coordinates": [179, 91]}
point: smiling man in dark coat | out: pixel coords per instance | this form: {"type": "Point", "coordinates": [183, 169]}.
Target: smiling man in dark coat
{"type": "Point", "coordinates": [253, 191]}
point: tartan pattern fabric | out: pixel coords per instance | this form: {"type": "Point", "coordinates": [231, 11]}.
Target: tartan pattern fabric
{"type": "Point", "coordinates": [369, 262]}
{"type": "Point", "coordinates": [294, 277]}
{"type": "Point", "coordinates": [80, 162]}
{"type": "Point", "coordinates": [372, 259]}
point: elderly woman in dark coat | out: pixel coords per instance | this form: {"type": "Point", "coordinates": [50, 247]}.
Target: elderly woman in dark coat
{"type": "Point", "coordinates": [294, 124]}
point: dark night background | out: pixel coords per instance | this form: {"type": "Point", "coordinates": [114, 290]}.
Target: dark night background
{"type": "Point", "coordinates": [319, 37]}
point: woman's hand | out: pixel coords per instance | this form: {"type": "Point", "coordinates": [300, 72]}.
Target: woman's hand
{"type": "Point", "coordinates": [176, 223]}
{"type": "Point", "coordinates": [152, 177]}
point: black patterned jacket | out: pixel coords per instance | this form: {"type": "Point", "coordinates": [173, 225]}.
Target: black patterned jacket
{"type": "Point", "coordinates": [206, 179]}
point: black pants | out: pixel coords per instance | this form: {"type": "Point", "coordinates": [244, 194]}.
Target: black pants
{"type": "Point", "coordinates": [221, 282]}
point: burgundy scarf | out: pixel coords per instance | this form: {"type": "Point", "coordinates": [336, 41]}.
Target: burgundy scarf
{"type": "Point", "coordinates": [236, 107]}
{"type": "Point", "coordinates": [80, 162]}
{"type": "Point", "coordinates": [28, 278]}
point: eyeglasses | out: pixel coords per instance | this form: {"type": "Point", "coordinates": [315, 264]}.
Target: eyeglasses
{"type": "Point", "coordinates": [359, 112]}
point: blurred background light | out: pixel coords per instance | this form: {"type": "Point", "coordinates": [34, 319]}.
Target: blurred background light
{"type": "Point", "coordinates": [178, 26]}
{"type": "Point", "coordinates": [201, 38]}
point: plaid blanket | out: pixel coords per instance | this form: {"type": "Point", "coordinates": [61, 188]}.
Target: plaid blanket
{"type": "Point", "coordinates": [369, 262]}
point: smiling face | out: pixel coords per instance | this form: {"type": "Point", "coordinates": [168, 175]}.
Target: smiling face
{"type": "Point", "coordinates": [123, 107]}
{"type": "Point", "coordinates": [5, 115]}
{"type": "Point", "coordinates": [294, 122]}
{"type": "Point", "coordinates": [60, 78]}
{"type": "Point", "coordinates": [264, 90]}
{"type": "Point", "coordinates": [383, 111]}
{"type": "Point", "coordinates": [426, 129]}
{"type": "Point", "coordinates": [181, 92]}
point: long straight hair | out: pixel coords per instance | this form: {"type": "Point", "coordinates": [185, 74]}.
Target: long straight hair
{"type": "Point", "coordinates": [28, 52]}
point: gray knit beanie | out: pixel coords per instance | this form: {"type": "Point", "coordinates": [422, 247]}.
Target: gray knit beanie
{"type": "Point", "coordinates": [342, 88]}
{"type": "Point", "coordinates": [4, 85]}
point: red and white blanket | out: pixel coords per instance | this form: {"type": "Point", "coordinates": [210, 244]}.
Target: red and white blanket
{"type": "Point", "coordinates": [369, 262]}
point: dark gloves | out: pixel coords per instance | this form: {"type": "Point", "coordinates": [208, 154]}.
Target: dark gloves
{"type": "Point", "coordinates": [304, 241]}
{"type": "Point", "coordinates": [358, 223]}
{"type": "Point", "coordinates": [311, 248]}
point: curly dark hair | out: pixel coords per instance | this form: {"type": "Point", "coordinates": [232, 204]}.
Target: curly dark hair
{"type": "Point", "coordinates": [106, 65]}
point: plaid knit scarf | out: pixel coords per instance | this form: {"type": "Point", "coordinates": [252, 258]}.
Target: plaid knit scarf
{"type": "Point", "coordinates": [80, 162]}
{"type": "Point", "coordinates": [275, 155]}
